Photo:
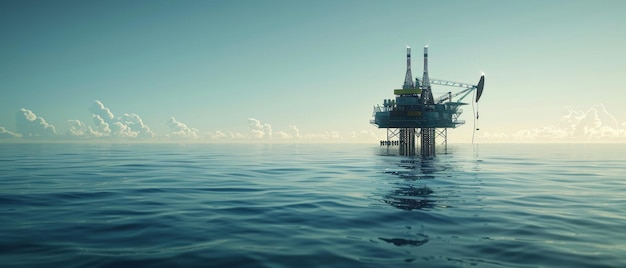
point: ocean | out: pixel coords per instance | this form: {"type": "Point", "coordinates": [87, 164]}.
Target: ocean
{"type": "Point", "coordinates": [311, 205]}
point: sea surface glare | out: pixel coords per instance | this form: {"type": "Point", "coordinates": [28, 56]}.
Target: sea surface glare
{"type": "Point", "coordinates": [290, 205]}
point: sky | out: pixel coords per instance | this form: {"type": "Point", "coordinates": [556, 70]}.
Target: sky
{"type": "Point", "coordinates": [305, 71]}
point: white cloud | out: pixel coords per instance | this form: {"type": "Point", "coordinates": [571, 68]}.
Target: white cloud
{"type": "Point", "coordinates": [102, 128]}
{"type": "Point", "coordinates": [486, 135]}
{"type": "Point", "coordinates": [105, 113]}
{"type": "Point", "coordinates": [28, 115]}
{"type": "Point", "coordinates": [106, 125]}
{"type": "Point", "coordinates": [236, 135]}
{"type": "Point", "coordinates": [123, 131]}
{"type": "Point", "coordinates": [5, 134]}
{"type": "Point", "coordinates": [595, 124]}
{"type": "Point", "coordinates": [323, 136]}
{"type": "Point", "coordinates": [259, 130]}
{"type": "Point", "coordinates": [217, 135]}
{"type": "Point", "coordinates": [135, 123]}
{"type": "Point", "coordinates": [181, 130]}
{"type": "Point", "coordinates": [30, 125]}
{"type": "Point", "coordinates": [228, 135]}
{"type": "Point", "coordinates": [77, 128]}
{"type": "Point", "coordinates": [366, 136]}
{"type": "Point", "coordinates": [282, 135]}
{"type": "Point", "coordinates": [295, 130]}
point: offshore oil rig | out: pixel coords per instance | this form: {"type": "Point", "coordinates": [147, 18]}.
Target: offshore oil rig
{"type": "Point", "coordinates": [415, 113]}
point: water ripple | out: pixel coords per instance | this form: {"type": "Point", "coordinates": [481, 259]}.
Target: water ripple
{"type": "Point", "coordinates": [112, 205]}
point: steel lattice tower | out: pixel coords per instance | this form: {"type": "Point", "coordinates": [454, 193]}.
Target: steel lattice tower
{"type": "Point", "coordinates": [408, 78]}
{"type": "Point", "coordinates": [427, 133]}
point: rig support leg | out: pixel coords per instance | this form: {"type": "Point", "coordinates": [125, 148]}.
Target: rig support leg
{"type": "Point", "coordinates": [428, 142]}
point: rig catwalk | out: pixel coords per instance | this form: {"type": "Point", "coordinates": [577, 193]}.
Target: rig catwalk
{"type": "Point", "coordinates": [415, 113]}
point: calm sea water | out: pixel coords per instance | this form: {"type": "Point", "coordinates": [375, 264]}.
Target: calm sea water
{"type": "Point", "coordinates": [207, 205]}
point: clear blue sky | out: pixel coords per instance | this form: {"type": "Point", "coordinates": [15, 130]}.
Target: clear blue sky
{"type": "Point", "coordinates": [238, 68]}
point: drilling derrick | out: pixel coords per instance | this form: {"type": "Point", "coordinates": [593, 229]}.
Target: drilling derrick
{"type": "Point", "coordinates": [428, 133]}
{"type": "Point", "coordinates": [408, 78]}
{"type": "Point", "coordinates": [406, 136]}
{"type": "Point", "coordinates": [414, 107]}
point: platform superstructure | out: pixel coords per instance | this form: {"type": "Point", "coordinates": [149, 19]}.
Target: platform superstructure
{"type": "Point", "coordinates": [415, 113]}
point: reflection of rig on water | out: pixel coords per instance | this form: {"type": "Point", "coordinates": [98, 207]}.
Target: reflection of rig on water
{"type": "Point", "coordinates": [410, 198]}
{"type": "Point", "coordinates": [415, 113]}
{"type": "Point", "coordinates": [407, 195]}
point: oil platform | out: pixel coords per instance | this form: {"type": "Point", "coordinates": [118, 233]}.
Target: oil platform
{"type": "Point", "coordinates": [415, 113]}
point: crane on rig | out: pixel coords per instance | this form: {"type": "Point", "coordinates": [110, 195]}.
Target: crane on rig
{"type": "Point", "coordinates": [468, 89]}
{"type": "Point", "coordinates": [415, 113]}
